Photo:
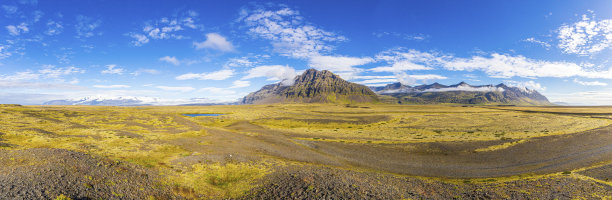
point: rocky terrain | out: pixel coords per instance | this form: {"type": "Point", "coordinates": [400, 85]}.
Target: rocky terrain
{"type": "Point", "coordinates": [313, 87]}
{"type": "Point", "coordinates": [308, 182]}
{"type": "Point", "coordinates": [42, 173]}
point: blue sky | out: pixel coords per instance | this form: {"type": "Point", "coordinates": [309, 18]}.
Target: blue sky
{"type": "Point", "coordinates": [217, 51]}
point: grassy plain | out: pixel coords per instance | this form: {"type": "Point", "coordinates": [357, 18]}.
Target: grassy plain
{"type": "Point", "coordinates": [198, 160]}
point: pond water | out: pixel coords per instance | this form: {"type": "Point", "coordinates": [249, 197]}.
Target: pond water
{"type": "Point", "coordinates": [208, 114]}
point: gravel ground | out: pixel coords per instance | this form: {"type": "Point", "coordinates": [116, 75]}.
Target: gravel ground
{"type": "Point", "coordinates": [47, 173]}
{"type": "Point", "coordinates": [603, 173]}
{"type": "Point", "coordinates": [303, 182]}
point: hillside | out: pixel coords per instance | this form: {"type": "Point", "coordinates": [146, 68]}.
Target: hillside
{"type": "Point", "coordinates": [313, 87]}
{"type": "Point", "coordinates": [461, 93]}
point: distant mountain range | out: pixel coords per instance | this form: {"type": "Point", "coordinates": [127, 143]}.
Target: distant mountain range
{"type": "Point", "coordinates": [132, 101]}
{"type": "Point", "coordinates": [462, 93]}
{"type": "Point", "coordinates": [326, 87]}
{"type": "Point", "coordinates": [313, 87]}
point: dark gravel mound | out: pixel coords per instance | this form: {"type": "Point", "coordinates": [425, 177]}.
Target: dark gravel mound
{"type": "Point", "coordinates": [47, 173]}
{"type": "Point", "coordinates": [307, 182]}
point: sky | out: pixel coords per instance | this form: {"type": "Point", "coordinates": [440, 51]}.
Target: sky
{"type": "Point", "coordinates": [219, 51]}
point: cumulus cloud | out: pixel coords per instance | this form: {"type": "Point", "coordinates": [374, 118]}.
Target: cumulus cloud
{"type": "Point", "coordinates": [342, 65]}
{"type": "Point", "coordinates": [175, 89]}
{"type": "Point", "coordinates": [17, 29]}
{"type": "Point", "coordinates": [165, 28]}
{"type": "Point", "coordinates": [216, 75]}
{"type": "Point", "coordinates": [284, 74]}
{"type": "Point", "coordinates": [240, 84]}
{"type": "Point", "coordinates": [113, 69]}
{"type": "Point", "coordinates": [216, 42]}
{"type": "Point", "coordinates": [495, 65]}
{"type": "Point", "coordinates": [171, 60]}
{"type": "Point", "coordinates": [86, 27]}
{"type": "Point", "coordinates": [527, 86]}
{"type": "Point", "coordinates": [111, 86]}
{"type": "Point", "coordinates": [590, 83]}
{"type": "Point", "coordinates": [139, 39]}
{"type": "Point", "coordinates": [585, 37]}
{"type": "Point", "coordinates": [288, 32]}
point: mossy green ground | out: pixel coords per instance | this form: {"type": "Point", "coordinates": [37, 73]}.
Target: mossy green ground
{"type": "Point", "coordinates": [160, 137]}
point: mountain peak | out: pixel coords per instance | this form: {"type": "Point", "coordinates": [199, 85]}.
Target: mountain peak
{"type": "Point", "coordinates": [313, 86]}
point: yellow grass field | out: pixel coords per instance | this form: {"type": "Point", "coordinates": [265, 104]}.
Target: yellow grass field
{"type": "Point", "coordinates": [161, 138]}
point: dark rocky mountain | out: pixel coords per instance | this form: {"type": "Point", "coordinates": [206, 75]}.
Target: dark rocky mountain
{"type": "Point", "coordinates": [461, 93]}
{"type": "Point", "coordinates": [313, 87]}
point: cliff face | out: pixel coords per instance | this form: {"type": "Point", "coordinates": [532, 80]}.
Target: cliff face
{"type": "Point", "coordinates": [313, 87]}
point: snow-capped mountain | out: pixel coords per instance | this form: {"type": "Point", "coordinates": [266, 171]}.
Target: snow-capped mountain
{"type": "Point", "coordinates": [133, 101]}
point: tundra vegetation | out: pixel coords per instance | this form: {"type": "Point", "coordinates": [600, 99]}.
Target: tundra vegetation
{"type": "Point", "coordinates": [231, 155]}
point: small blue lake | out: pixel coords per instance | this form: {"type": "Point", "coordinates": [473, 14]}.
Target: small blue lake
{"type": "Point", "coordinates": [198, 115]}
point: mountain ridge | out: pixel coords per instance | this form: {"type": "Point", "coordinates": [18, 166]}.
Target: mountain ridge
{"type": "Point", "coordinates": [462, 93]}
{"type": "Point", "coordinates": [313, 86]}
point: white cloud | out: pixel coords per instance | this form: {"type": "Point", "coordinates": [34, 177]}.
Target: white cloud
{"type": "Point", "coordinates": [176, 89]}
{"type": "Point", "coordinates": [215, 41]}
{"type": "Point", "coordinates": [113, 69]}
{"type": "Point", "coordinates": [585, 37]}
{"type": "Point", "coordinates": [50, 71]}
{"type": "Point", "coordinates": [288, 32]}
{"type": "Point", "coordinates": [241, 62]}
{"type": "Point", "coordinates": [171, 60]}
{"type": "Point", "coordinates": [147, 71]}
{"type": "Point", "coordinates": [285, 74]}
{"type": "Point", "coordinates": [590, 83]}
{"type": "Point", "coordinates": [18, 29]}
{"type": "Point", "coordinates": [401, 60]}
{"type": "Point", "coordinates": [4, 53]}
{"type": "Point", "coordinates": [582, 98]}
{"type": "Point", "coordinates": [9, 9]}
{"type": "Point", "coordinates": [506, 66]}
{"type": "Point", "coordinates": [140, 39]}
{"type": "Point", "coordinates": [216, 75]}
{"type": "Point", "coordinates": [466, 88]}
{"type": "Point", "coordinates": [526, 86]}
{"type": "Point", "coordinates": [496, 65]}
{"type": "Point", "coordinates": [539, 42]}
{"type": "Point", "coordinates": [46, 72]}
{"type": "Point", "coordinates": [412, 37]}
{"type": "Point", "coordinates": [111, 86]}
{"type": "Point", "coordinates": [339, 64]}
{"type": "Point", "coordinates": [86, 26]}
{"type": "Point", "coordinates": [166, 28]}
{"type": "Point", "coordinates": [54, 28]}
{"type": "Point", "coordinates": [240, 84]}
{"type": "Point", "coordinates": [401, 77]}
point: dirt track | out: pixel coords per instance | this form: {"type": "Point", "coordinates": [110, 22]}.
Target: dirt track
{"type": "Point", "coordinates": [437, 159]}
